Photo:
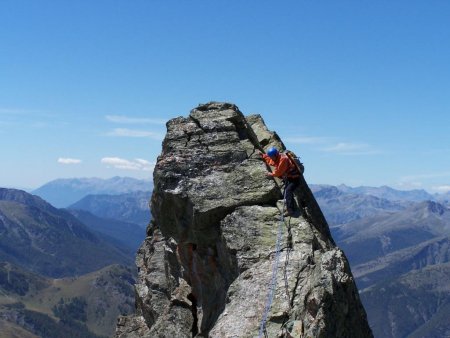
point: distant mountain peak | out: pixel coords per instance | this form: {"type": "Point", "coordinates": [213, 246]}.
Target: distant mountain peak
{"type": "Point", "coordinates": [328, 192]}
{"type": "Point", "coordinates": [436, 208]}
{"type": "Point", "coordinates": [64, 192]}
{"type": "Point", "coordinates": [429, 207]}
{"type": "Point", "coordinates": [22, 197]}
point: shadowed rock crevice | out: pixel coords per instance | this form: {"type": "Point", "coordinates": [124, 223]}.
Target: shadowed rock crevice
{"type": "Point", "coordinates": [205, 268]}
{"type": "Point", "coordinates": [194, 330]}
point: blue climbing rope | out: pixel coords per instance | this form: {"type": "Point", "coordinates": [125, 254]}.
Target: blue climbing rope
{"type": "Point", "coordinates": [273, 281]}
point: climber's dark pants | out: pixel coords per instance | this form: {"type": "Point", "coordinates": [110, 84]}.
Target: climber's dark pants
{"type": "Point", "coordinates": [290, 185]}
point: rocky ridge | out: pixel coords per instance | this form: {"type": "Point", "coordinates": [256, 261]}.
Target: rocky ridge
{"type": "Point", "coordinates": [206, 265]}
{"type": "Point", "coordinates": [36, 236]}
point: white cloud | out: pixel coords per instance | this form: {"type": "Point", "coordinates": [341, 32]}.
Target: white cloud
{"type": "Point", "coordinates": [65, 160]}
{"type": "Point", "coordinates": [120, 163]}
{"type": "Point", "coordinates": [441, 188]}
{"type": "Point", "coordinates": [410, 185]}
{"type": "Point", "coordinates": [133, 120]}
{"type": "Point", "coordinates": [426, 180]}
{"type": "Point", "coordinates": [351, 149]}
{"type": "Point", "coordinates": [331, 145]}
{"type": "Point", "coordinates": [425, 176]}
{"type": "Point", "coordinates": [123, 132]}
{"type": "Point", "coordinates": [306, 140]}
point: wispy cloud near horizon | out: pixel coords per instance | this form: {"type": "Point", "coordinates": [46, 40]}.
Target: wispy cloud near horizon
{"type": "Point", "coordinates": [134, 120]}
{"type": "Point", "coordinates": [124, 132]}
{"type": "Point", "coordinates": [441, 188]}
{"type": "Point", "coordinates": [120, 163]}
{"type": "Point", "coordinates": [426, 180]}
{"type": "Point", "coordinates": [333, 145]}
{"type": "Point", "coordinates": [345, 148]}
{"type": "Point", "coordinates": [425, 176]}
{"type": "Point", "coordinates": [307, 140]}
{"type": "Point", "coordinates": [66, 160]}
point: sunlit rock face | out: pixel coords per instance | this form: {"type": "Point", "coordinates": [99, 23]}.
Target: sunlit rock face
{"type": "Point", "coordinates": [206, 266]}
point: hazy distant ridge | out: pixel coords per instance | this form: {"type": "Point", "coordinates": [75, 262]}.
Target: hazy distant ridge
{"type": "Point", "coordinates": [398, 246]}
{"type": "Point", "coordinates": [130, 207]}
{"type": "Point", "coordinates": [64, 192]}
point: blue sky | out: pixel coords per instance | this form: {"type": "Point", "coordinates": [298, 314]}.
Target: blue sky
{"type": "Point", "coordinates": [359, 89]}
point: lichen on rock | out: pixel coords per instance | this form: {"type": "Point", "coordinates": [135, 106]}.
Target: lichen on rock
{"type": "Point", "coordinates": [205, 267]}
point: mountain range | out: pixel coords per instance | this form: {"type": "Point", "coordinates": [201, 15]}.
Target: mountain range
{"type": "Point", "coordinates": [343, 206]}
{"type": "Point", "coordinates": [130, 207]}
{"type": "Point", "coordinates": [397, 242]}
{"type": "Point", "coordinates": [50, 241]}
{"type": "Point", "coordinates": [432, 252]}
{"type": "Point", "coordinates": [398, 245]}
{"type": "Point", "coordinates": [378, 235]}
{"type": "Point", "coordinates": [124, 234]}
{"type": "Point", "coordinates": [384, 192]}
{"type": "Point", "coordinates": [59, 269]}
{"type": "Point", "coordinates": [63, 192]}
{"type": "Point", "coordinates": [416, 304]}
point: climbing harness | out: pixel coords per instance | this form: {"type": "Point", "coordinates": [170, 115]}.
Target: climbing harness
{"type": "Point", "coordinates": [273, 281]}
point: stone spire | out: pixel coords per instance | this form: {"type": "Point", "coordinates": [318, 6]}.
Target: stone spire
{"type": "Point", "coordinates": [205, 268]}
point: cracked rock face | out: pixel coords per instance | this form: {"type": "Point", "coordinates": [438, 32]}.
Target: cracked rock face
{"type": "Point", "coordinates": [206, 267]}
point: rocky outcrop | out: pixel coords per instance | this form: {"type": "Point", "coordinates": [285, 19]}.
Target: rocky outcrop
{"type": "Point", "coordinates": [206, 267]}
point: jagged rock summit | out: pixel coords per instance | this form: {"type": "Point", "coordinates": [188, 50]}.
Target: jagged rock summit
{"type": "Point", "coordinates": [207, 264]}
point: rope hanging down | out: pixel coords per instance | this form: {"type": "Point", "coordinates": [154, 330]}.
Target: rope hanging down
{"type": "Point", "coordinates": [273, 281]}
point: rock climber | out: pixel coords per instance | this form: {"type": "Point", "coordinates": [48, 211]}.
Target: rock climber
{"type": "Point", "coordinates": [285, 170]}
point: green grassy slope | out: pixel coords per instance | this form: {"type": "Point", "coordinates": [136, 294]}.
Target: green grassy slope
{"type": "Point", "coordinates": [86, 306]}
{"type": "Point", "coordinates": [50, 241]}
